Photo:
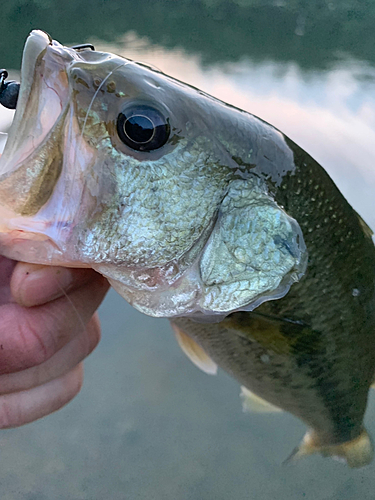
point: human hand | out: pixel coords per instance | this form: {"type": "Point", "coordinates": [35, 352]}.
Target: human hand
{"type": "Point", "coordinates": [48, 325]}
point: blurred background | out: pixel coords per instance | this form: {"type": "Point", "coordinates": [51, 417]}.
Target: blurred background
{"type": "Point", "coordinates": [148, 424]}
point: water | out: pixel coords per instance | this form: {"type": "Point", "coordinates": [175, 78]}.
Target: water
{"type": "Point", "coordinates": [148, 424]}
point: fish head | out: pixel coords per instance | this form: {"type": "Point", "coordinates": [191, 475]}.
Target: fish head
{"type": "Point", "coordinates": [164, 190]}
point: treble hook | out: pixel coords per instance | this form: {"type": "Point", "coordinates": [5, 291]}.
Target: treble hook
{"type": "Point", "coordinates": [8, 91]}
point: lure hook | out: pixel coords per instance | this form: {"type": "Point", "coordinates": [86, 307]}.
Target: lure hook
{"type": "Point", "coordinates": [3, 76]}
{"type": "Point", "coordinates": [83, 46]}
{"type": "Point", "coordinates": [8, 91]}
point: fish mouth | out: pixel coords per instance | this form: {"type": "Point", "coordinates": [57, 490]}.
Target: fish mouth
{"type": "Point", "coordinates": [43, 80]}
{"type": "Point", "coordinates": [27, 180]}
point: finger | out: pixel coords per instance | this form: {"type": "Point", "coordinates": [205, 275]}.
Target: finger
{"type": "Point", "coordinates": [34, 284]}
{"type": "Point", "coordinates": [6, 270]}
{"type": "Point", "coordinates": [26, 406]}
{"type": "Point", "coordinates": [59, 364]}
{"type": "Point", "coordinates": [31, 336]}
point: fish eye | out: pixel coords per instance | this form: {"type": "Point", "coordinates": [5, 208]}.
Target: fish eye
{"type": "Point", "coordinates": [142, 127]}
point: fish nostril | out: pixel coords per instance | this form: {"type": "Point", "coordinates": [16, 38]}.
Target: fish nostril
{"type": "Point", "coordinates": [8, 91]}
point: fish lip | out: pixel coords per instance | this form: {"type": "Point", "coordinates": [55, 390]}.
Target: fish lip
{"type": "Point", "coordinates": [44, 99]}
{"type": "Point", "coordinates": [35, 44]}
{"type": "Point", "coordinates": [35, 248]}
{"type": "Point", "coordinates": [39, 47]}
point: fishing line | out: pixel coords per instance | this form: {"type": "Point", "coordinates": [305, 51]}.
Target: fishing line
{"type": "Point", "coordinates": [71, 303]}
{"type": "Point", "coordinates": [91, 104]}
{"type": "Point", "coordinates": [97, 91]}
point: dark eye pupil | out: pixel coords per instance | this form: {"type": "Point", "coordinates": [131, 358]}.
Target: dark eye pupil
{"type": "Point", "coordinates": [139, 129]}
{"type": "Point", "coordinates": [142, 127]}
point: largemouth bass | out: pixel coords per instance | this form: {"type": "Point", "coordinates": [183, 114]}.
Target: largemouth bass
{"type": "Point", "coordinates": [202, 213]}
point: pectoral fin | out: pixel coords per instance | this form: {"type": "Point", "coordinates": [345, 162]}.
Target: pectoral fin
{"type": "Point", "coordinates": [356, 453]}
{"type": "Point", "coordinates": [195, 352]}
{"type": "Point", "coordinates": [254, 404]}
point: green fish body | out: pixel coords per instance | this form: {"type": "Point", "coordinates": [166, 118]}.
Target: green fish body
{"type": "Point", "coordinates": [202, 213]}
{"type": "Point", "coordinates": [310, 352]}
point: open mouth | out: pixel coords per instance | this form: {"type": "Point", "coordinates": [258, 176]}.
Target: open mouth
{"type": "Point", "coordinates": [42, 97]}
{"type": "Point", "coordinates": [31, 163]}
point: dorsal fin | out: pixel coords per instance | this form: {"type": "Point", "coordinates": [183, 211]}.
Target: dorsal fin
{"type": "Point", "coordinates": [254, 404]}
{"type": "Point", "coordinates": [366, 228]}
{"type": "Point", "coordinates": [194, 352]}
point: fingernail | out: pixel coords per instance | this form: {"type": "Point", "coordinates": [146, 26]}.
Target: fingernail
{"type": "Point", "coordinates": [34, 285]}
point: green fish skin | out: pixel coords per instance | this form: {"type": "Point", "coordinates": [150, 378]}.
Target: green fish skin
{"type": "Point", "coordinates": [200, 212]}
{"type": "Point", "coordinates": [311, 352]}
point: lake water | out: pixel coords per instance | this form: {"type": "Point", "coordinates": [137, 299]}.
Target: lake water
{"type": "Point", "coordinates": [148, 424]}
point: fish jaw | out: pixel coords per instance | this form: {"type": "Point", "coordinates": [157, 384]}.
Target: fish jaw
{"type": "Point", "coordinates": [43, 98]}
{"type": "Point", "coordinates": [37, 200]}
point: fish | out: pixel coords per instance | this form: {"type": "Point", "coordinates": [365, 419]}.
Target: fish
{"type": "Point", "coordinates": [202, 213]}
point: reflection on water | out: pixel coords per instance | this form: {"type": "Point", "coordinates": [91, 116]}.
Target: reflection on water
{"type": "Point", "coordinates": [311, 33]}
{"type": "Point", "coordinates": [148, 424]}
